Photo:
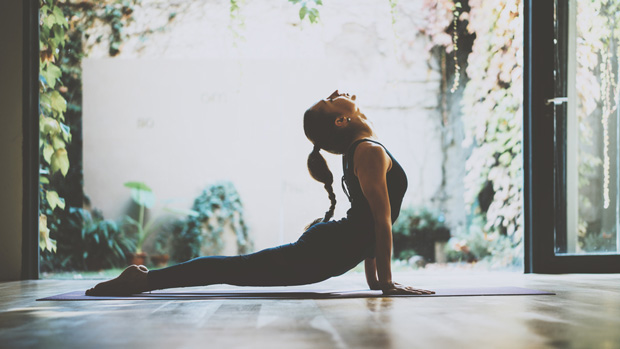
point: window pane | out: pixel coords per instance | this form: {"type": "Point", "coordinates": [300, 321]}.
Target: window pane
{"type": "Point", "coordinates": [588, 32]}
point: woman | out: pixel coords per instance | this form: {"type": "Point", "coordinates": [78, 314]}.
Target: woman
{"type": "Point", "coordinates": [375, 184]}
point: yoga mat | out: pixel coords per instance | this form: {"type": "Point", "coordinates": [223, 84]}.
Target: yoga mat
{"type": "Point", "coordinates": [284, 294]}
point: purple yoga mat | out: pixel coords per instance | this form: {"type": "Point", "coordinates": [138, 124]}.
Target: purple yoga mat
{"type": "Point", "coordinates": [283, 294]}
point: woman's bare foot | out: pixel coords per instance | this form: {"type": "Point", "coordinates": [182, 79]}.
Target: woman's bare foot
{"type": "Point", "coordinates": [131, 281]}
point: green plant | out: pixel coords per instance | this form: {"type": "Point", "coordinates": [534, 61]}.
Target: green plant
{"type": "Point", "coordinates": [237, 21]}
{"type": "Point", "coordinates": [594, 242]}
{"type": "Point", "coordinates": [89, 242]}
{"type": "Point", "coordinates": [490, 106]}
{"type": "Point", "coordinates": [476, 244]}
{"type": "Point", "coordinates": [143, 196]}
{"type": "Point", "coordinates": [308, 8]}
{"type": "Point", "coordinates": [54, 134]}
{"type": "Point", "coordinates": [63, 32]}
{"type": "Point", "coordinates": [219, 206]}
{"type": "Point", "coordinates": [417, 230]}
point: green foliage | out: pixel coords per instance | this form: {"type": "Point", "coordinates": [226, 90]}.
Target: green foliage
{"type": "Point", "coordinates": [599, 242]}
{"type": "Point", "coordinates": [476, 245]}
{"type": "Point", "coordinates": [87, 242]}
{"type": "Point", "coordinates": [143, 196]}
{"type": "Point", "coordinates": [491, 114]}
{"type": "Point", "coordinates": [53, 132]}
{"type": "Point", "coordinates": [237, 21]}
{"type": "Point", "coordinates": [45, 242]}
{"type": "Point", "coordinates": [308, 8]}
{"type": "Point", "coordinates": [62, 33]}
{"type": "Point", "coordinates": [415, 232]}
{"type": "Point", "coordinates": [219, 206]}
{"type": "Point", "coordinates": [116, 14]}
{"type": "Point", "coordinates": [393, 13]}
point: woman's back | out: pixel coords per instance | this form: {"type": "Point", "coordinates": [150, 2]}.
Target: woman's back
{"type": "Point", "coordinates": [360, 213]}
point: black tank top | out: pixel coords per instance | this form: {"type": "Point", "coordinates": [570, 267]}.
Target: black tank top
{"type": "Point", "coordinates": [360, 213]}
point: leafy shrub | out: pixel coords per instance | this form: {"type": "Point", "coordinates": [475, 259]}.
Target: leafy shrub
{"type": "Point", "coordinates": [478, 245]}
{"type": "Point", "coordinates": [87, 242]}
{"type": "Point", "coordinates": [217, 206]}
{"type": "Point", "coordinates": [415, 233]}
{"type": "Point", "coordinates": [600, 242]}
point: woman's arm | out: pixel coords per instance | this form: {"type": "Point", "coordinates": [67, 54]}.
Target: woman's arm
{"type": "Point", "coordinates": [371, 166]}
{"type": "Point", "coordinates": [371, 274]}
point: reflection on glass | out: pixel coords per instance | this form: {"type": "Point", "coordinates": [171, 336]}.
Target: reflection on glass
{"type": "Point", "coordinates": [591, 128]}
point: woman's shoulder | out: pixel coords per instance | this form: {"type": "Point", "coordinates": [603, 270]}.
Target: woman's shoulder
{"type": "Point", "coordinates": [370, 148]}
{"type": "Point", "coordinates": [371, 154]}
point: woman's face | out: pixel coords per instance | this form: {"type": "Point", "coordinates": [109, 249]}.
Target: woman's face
{"type": "Point", "coordinates": [338, 103]}
{"type": "Point", "coordinates": [348, 119]}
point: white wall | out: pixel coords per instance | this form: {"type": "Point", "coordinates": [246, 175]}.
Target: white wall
{"type": "Point", "coordinates": [11, 139]}
{"type": "Point", "coordinates": [186, 107]}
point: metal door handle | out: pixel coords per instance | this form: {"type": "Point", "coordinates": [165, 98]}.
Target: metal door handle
{"type": "Point", "coordinates": [557, 100]}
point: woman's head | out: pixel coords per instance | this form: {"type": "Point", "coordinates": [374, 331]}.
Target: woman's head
{"type": "Point", "coordinates": [335, 122]}
{"type": "Point", "coordinates": [332, 124]}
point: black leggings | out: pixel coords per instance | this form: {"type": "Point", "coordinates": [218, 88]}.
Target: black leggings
{"type": "Point", "coordinates": [325, 250]}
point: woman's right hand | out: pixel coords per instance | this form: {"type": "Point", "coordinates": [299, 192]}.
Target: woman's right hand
{"type": "Point", "coordinates": [398, 289]}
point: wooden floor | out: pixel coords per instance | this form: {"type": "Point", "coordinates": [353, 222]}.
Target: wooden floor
{"type": "Point", "coordinates": [585, 313]}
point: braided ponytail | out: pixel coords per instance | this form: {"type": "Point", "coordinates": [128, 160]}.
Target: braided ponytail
{"type": "Point", "coordinates": [317, 166]}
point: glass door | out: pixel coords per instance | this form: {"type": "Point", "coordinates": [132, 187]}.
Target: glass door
{"type": "Point", "coordinates": [587, 91]}
{"type": "Point", "coordinates": [570, 123]}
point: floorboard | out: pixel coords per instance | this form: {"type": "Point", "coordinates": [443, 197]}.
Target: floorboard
{"type": "Point", "coordinates": [584, 313]}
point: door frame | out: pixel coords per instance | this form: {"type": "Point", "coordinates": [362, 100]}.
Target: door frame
{"type": "Point", "coordinates": [30, 126]}
{"type": "Point", "coordinates": [544, 180]}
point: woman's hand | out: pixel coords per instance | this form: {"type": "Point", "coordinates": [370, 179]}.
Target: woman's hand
{"type": "Point", "coordinates": [374, 285]}
{"type": "Point", "coordinates": [398, 289]}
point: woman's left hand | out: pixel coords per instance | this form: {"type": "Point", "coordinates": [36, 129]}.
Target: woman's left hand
{"type": "Point", "coordinates": [374, 285]}
{"type": "Point", "coordinates": [398, 289]}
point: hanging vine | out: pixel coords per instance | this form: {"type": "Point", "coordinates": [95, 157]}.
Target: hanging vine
{"type": "Point", "coordinates": [308, 8]}
{"type": "Point", "coordinates": [491, 114]}
{"type": "Point", "coordinates": [63, 30]}
{"type": "Point", "coordinates": [54, 133]}
{"type": "Point", "coordinates": [456, 11]}
{"type": "Point", "coordinates": [237, 21]}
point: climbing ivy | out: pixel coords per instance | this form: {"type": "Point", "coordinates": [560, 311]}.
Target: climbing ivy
{"type": "Point", "coordinates": [308, 8]}
{"type": "Point", "coordinates": [237, 21]}
{"type": "Point", "coordinates": [491, 114]}
{"type": "Point", "coordinates": [54, 134]}
{"type": "Point", "coordinates": [63, 31]}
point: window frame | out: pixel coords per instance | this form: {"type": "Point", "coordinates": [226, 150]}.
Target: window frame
{"type": "Point", "coordinates": [544, 163]}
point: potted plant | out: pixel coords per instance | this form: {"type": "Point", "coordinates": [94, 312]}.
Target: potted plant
{"type": "Point", "coordinates": [422, 232]}
{"type": "Point", "coordinates": [143, 196]}
{"type": "Point", "coordinates": [161, 254]}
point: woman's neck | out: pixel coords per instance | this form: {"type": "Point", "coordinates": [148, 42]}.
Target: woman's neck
{"type": "Point", "coordinates": [365, 135]}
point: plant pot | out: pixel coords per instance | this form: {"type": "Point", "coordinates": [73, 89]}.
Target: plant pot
{"type": "Point", "coordinates": [137, 258]}
{"type": "Point", "coordinates": [160, 260]}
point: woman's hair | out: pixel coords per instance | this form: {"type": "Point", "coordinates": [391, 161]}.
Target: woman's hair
{"type": "Point", "coordinates": [317, 166]}
{"type": "Point", "coordinates": [321, 130]}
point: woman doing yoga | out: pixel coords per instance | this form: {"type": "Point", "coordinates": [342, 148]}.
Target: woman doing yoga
{"type": "Point", "coordinates": [375, 184]}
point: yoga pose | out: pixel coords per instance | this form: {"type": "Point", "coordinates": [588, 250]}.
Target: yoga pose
{"type": "Point", "coordinates": [375, 184]}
